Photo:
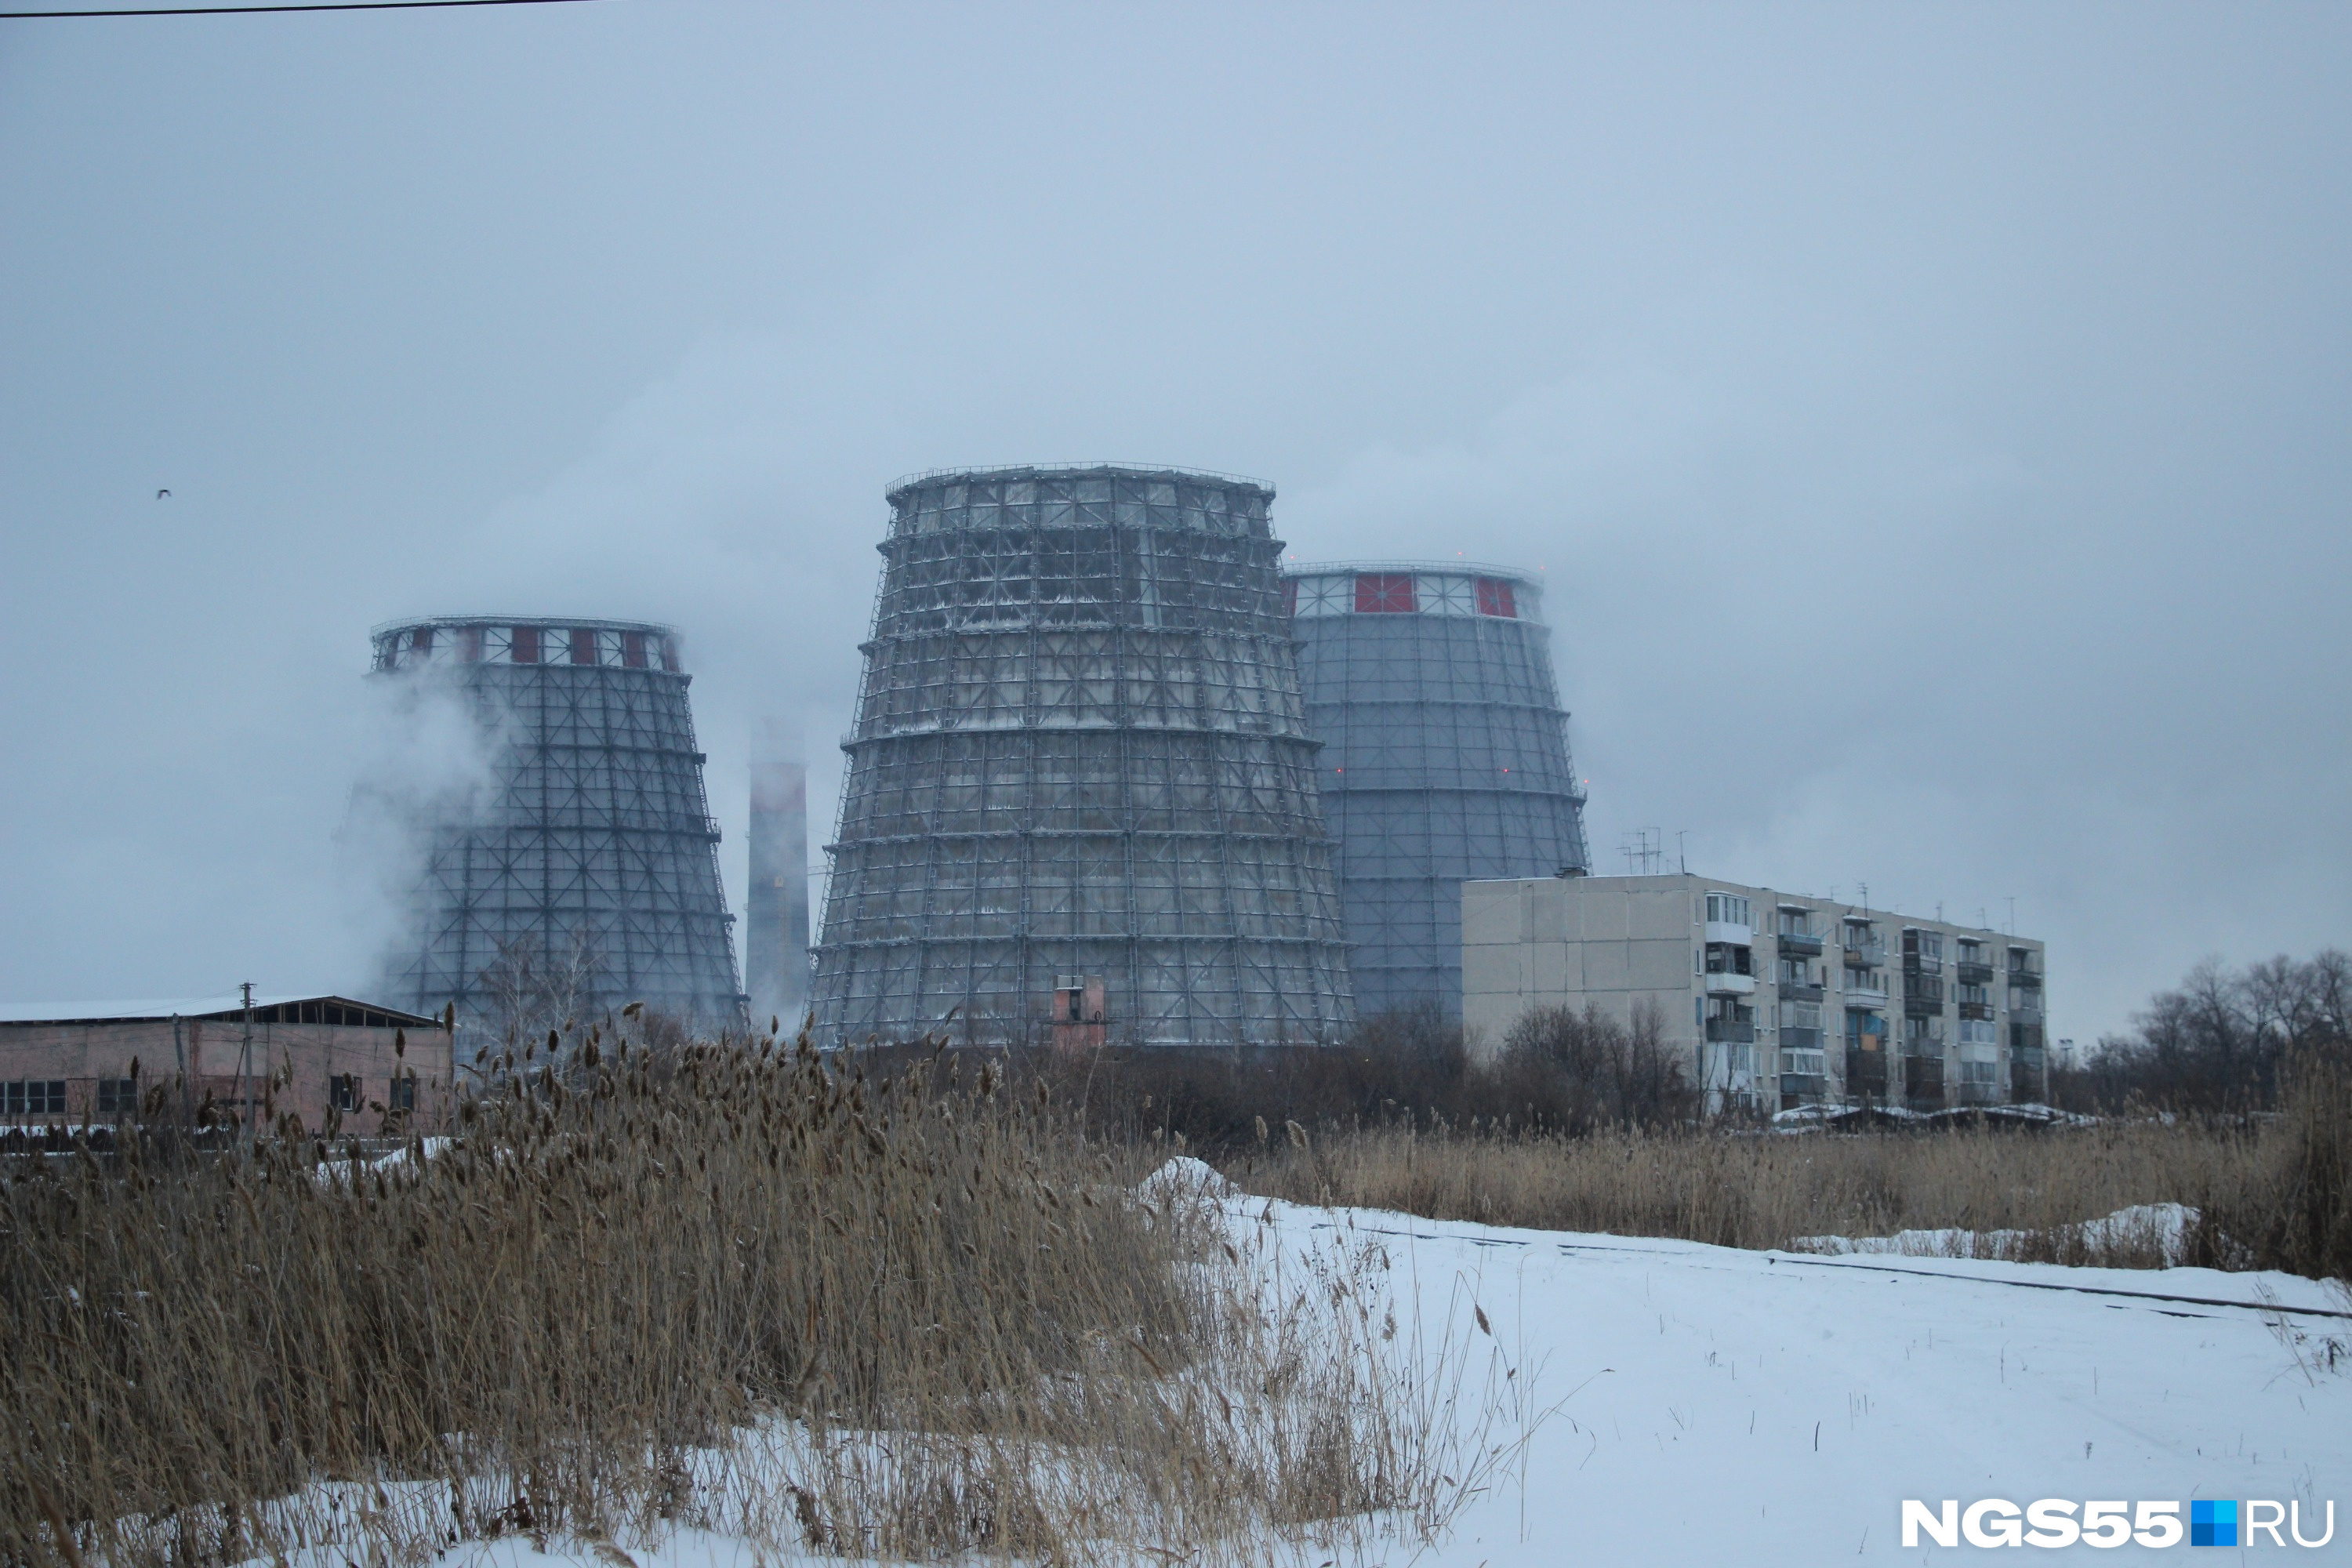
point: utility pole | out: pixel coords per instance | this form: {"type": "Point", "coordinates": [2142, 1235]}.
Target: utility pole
{"type": "Point", "coordinates": [244, 1066]}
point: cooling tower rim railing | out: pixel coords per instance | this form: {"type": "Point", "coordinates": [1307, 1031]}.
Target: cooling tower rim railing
{"type": "Point", "coordinates": [1031, 625]}
{"type": "Point", "coordinates": [586, 623]}
{"type": "Point", "coordinates": [1210, 834]}
{"type": "Point", "coordinates": [1534, 579]}
{"type": "Point", "coordinates": [906, 482]}
{"type": "Point", "coordinates": [1295, 737]}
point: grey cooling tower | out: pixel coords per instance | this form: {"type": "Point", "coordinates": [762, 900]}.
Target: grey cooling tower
{"type": "Point", "coordinates": [1080, 756]}
{"type": "Point", "coordinates": [577, 870]}
{"type": "Point", "coordinates": [1445, 755]}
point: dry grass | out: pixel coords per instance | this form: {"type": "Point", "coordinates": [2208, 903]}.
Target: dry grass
{"type": "Point", "coordinates": [738, 1288]}
{"type": "Point", "coordinates": [1754, 1191]}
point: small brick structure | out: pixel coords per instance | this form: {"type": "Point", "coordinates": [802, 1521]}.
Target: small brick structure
{"type": "Point", "coordinates": [381, 1070]}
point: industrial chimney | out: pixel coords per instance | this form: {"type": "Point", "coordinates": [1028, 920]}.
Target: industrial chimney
{"type": "Point", "coordinates": [776, 924]}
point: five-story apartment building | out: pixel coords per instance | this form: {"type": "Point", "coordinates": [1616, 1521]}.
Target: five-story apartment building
{"type": "Point", "coordinates": [1775, 1000]}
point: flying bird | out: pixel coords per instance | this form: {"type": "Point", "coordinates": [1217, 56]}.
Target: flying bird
{"type": "Point", "coordinates": [163, 495]}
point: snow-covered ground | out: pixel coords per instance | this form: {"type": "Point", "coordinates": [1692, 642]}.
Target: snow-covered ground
{"type": "Point", "coordinates": [1769, 1408]}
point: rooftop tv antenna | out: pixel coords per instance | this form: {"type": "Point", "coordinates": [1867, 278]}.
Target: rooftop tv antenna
{"type": "Point", "coordinates": [1645, 851]}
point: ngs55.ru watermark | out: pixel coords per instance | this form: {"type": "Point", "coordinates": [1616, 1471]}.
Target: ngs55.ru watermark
{"type": "Point", "coordinates": [2058, 1521]}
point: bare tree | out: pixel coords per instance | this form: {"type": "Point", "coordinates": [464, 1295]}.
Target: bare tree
{"type": "Point", "coordinates": [534, 985]}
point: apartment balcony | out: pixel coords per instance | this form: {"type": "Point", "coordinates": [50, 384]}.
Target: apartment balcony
{"type": "Point", "coordinates": [1726, 1032]}
{"type": "Point", "coordinates": [1801, 991]}
{"type": "Point", "coordinates": [1865, 992]}
{"type": "Point", "coordinates": [1980, 1010]}
{"type": "Point", "coordinates": [1979, 1094]}
{"type": "Point", "coordinates": [1865, 953]}
{"type": "Point", "coordinates": [1865, 1073]}
{"type": "Point", "coordinates": [1969, 973]}
{"type": "Point", "coordinates": [1803, 1088]}
{"type": "Point", "coordinates": [1800, 1039]}
{"type": "Point", "coordinates": [1729, 984]}
{"type": "Point", "coordinates": [2026, 1012]}
{"type": "Point", "coordinates": [2024, 976]}
{"type": "Point", "coordinates": [1795, 943]}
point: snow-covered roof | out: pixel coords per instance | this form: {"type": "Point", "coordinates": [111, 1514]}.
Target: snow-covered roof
{"type": "Point", "coordinates": [182, 1007]}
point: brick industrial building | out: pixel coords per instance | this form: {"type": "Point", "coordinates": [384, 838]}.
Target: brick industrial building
{"type": "Point", "coordinates": [70, 1063]}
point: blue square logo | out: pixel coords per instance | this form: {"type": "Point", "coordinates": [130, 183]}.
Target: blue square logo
{"type": "Point", "coordinates": [2212, 1523]}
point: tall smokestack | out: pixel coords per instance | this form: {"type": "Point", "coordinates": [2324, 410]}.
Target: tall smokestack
{"type": "Point", "coordinates": [776, 939]}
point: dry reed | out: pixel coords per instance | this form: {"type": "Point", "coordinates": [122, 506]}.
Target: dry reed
{"type": "Point", "coordinates": [2023, 1197]}
{"type": "Point", "coordinates": [738, 1288]}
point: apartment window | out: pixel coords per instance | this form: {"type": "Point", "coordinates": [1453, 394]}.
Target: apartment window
{"type": "Point", "coordinates": [1978, 1072]}
{"type": "Point", "coordinates": [2020, 960]}
{"type": "Point", "coordinates": [1929, 1030]}
{"type": "Point", "coordinates": [118, 1097]}
{"type": "Point", "coordinates": [1979, 995]}
{"type": "Point", "coordinates": [1726, 909]}
{"type": "Point", "coordinates": [1926, 946]}
{"type": "Point", "coordinates": [1796, 922]}
{"type": "Point", "coordinates": [401, 1095]}
{"type": "Point", "coordinates": [1866, 979]}
{"type": "Point", "coordinates": [343, 1090]}
{"type": "Point", "coordinates": [33, 1096]}
{"type": "Point", "coordinates": [1797, 972]}
{"type": "Point", "coordinates": [1978, 1032]}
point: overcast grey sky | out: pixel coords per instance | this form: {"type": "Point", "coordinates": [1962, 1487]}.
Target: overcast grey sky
{"type": "Point", "coordinates": [1932, 422]}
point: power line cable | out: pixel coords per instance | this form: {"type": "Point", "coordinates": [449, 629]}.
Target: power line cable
{"type": "Point", "coordinates": [256, 10]}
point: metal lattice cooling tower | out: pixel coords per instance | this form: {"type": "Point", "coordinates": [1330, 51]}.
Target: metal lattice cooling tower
{"type": "Point", "coordinates": [1080, 801]}
{"type": "Point", "coordinates": [577, 870]}
{"type": "Point", "coordinates": [1445, 755]}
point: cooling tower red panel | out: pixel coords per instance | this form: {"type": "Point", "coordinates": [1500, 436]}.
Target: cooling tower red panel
{"type": "Point", "coordinates": [1384, 592]}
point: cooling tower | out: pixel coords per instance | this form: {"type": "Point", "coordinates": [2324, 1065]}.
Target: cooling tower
{"type": "Point", "coordinates": [1445, 758]}
{"type": "Point", "coordinates": [576, 869]}
{"type": "Point", "coordinates": [1080, 788]}
{"type": "Point", "coordinates": [775, 907]}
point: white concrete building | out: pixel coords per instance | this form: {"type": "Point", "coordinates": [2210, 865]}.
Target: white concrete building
{"type": "Point", "coordinates": [1778, 1000]}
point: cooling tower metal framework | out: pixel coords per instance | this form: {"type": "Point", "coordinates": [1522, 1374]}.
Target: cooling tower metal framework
{"type": "Point", "coordinates": [1445, 754]}
{"type": "Point", "coordinates": [579, 872]}
{"type": "Point", "coordinates": [1080, 756]}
